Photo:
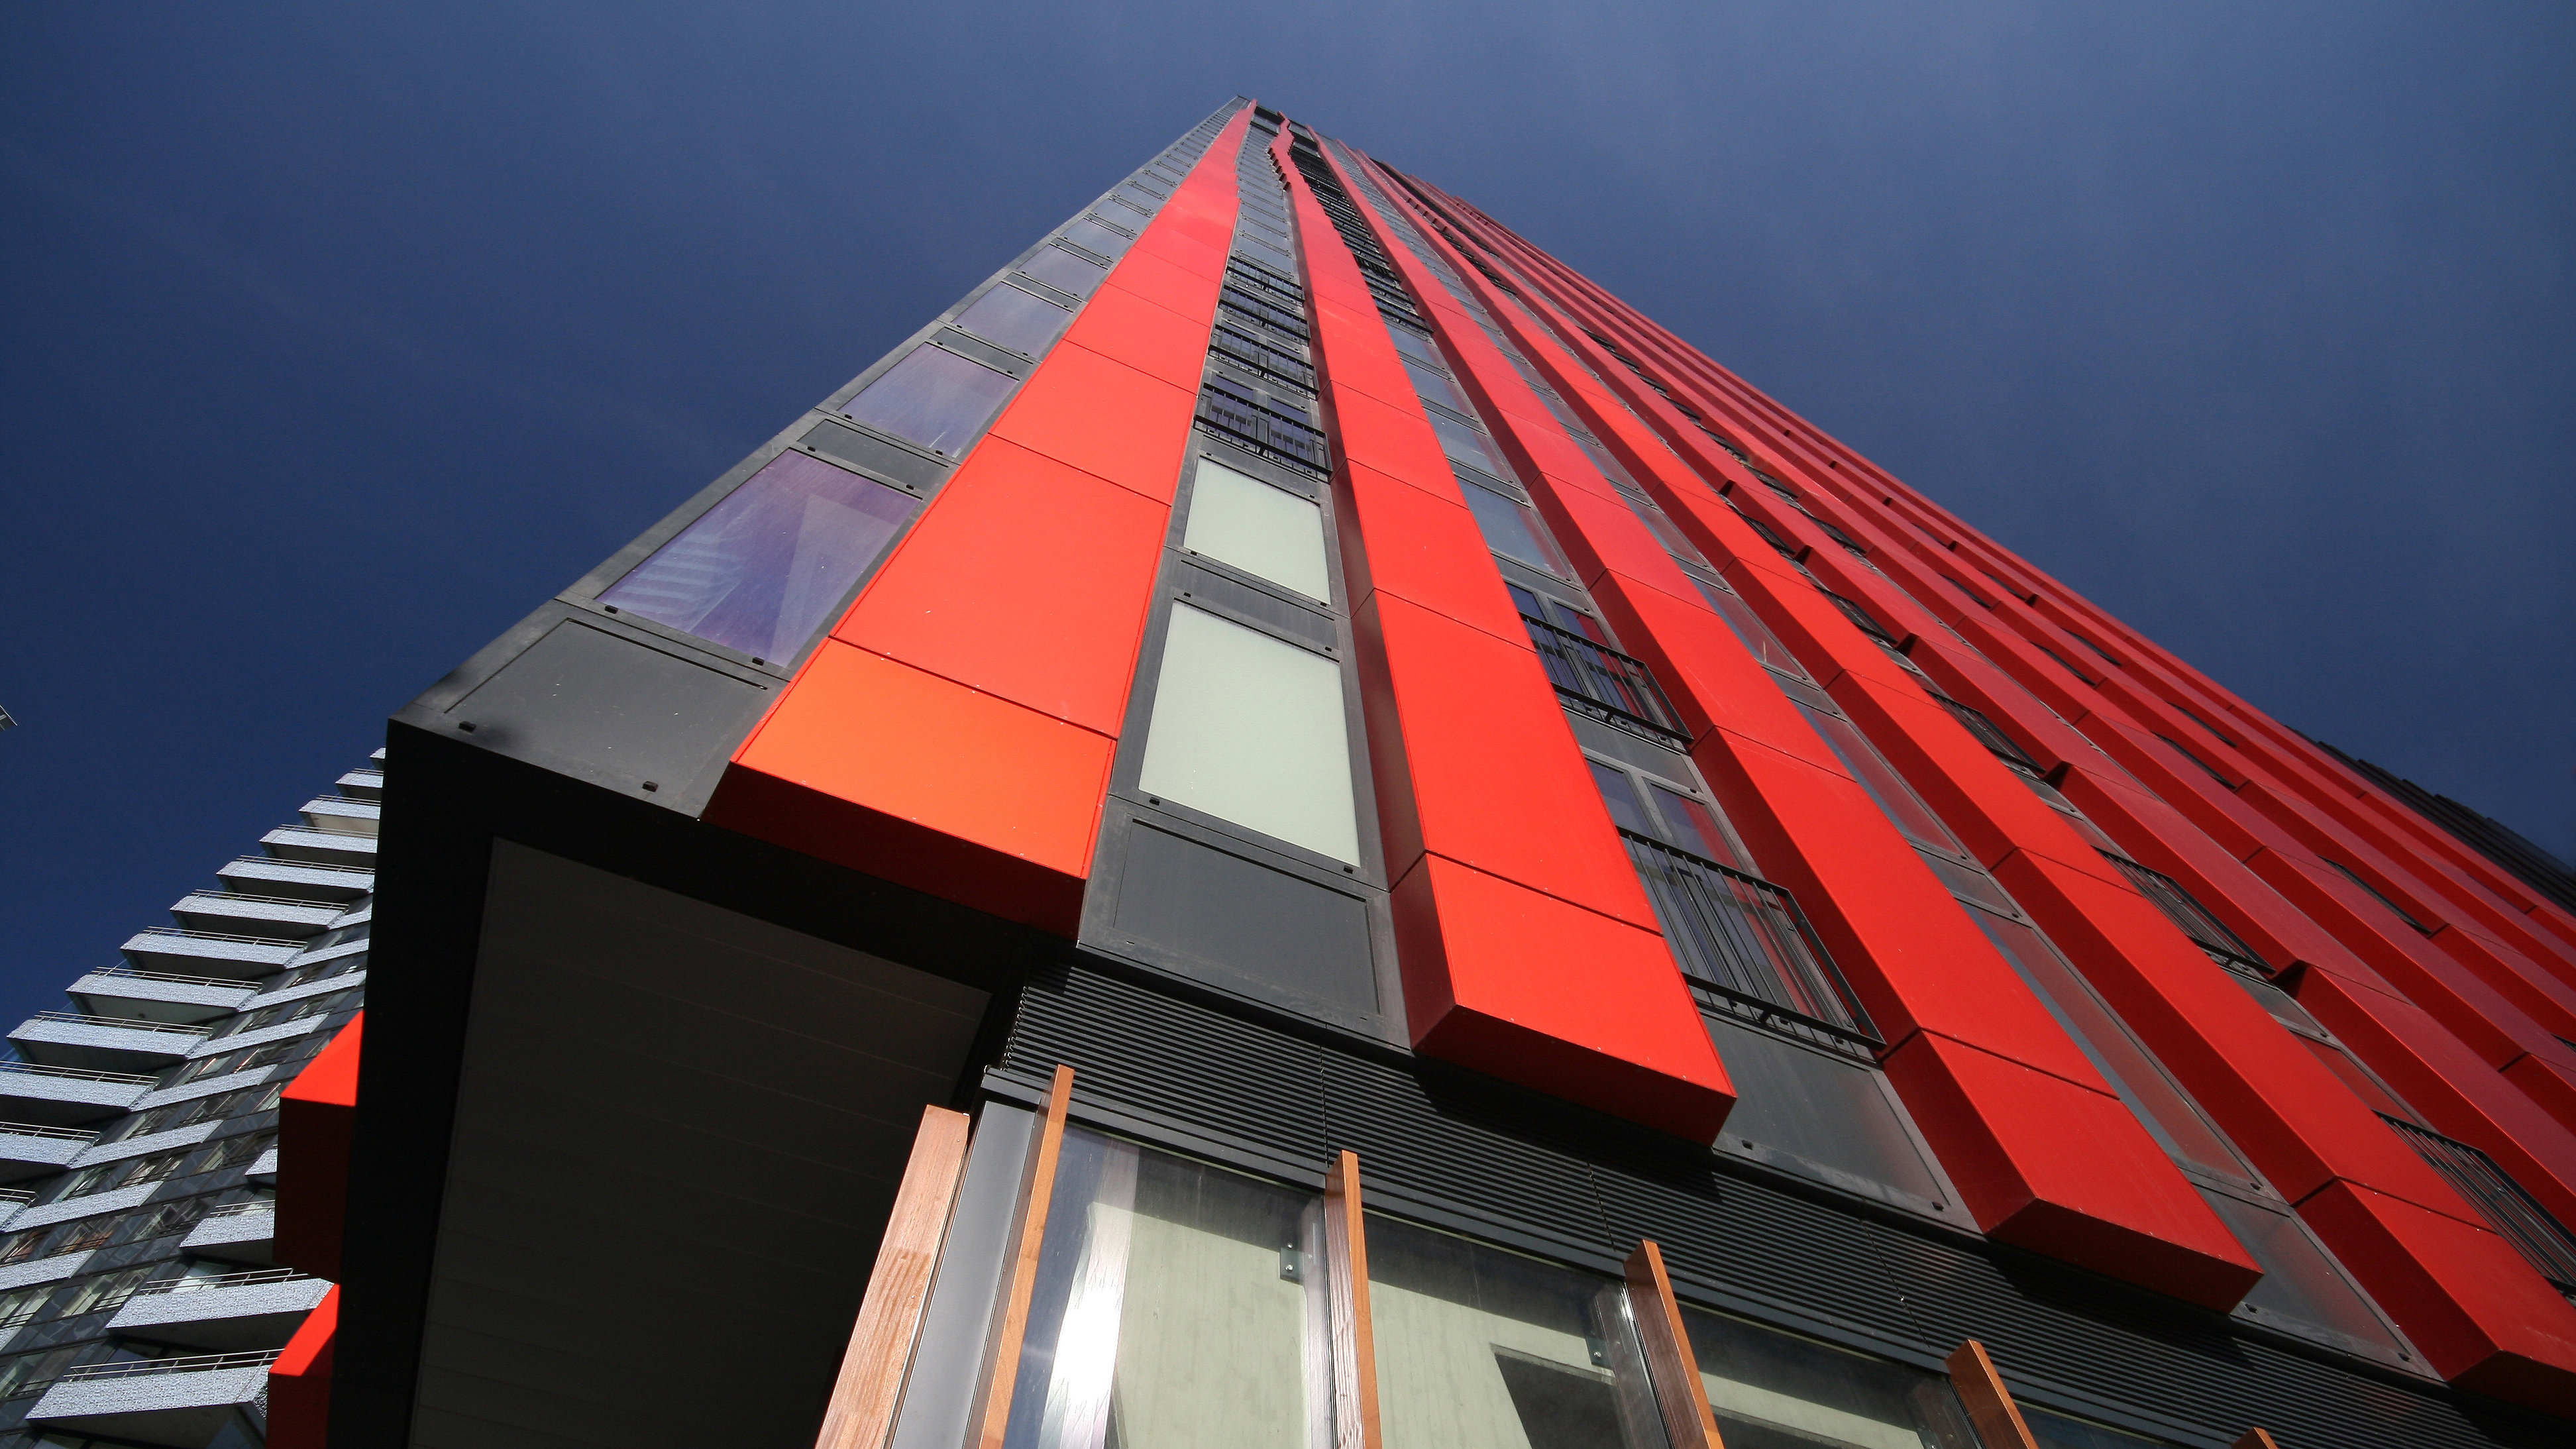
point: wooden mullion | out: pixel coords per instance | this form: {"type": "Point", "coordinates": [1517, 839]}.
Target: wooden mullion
{"type": "Point", "coordinates": [1990, 1405]}
{"type": "Point", "coordinates": [1688, 1422]}
{"type": "Point", "coordinates": [1355, 1423]}
{"type": "Point", "coordinates": [1037, 1191]}
{"type": "Point", "coordinates": [861, 1412]}
{"type": "Point", "coordinates": [2256, 1439]}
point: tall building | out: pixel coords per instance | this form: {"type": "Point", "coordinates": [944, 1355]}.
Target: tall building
{"type": "Point", "coordinates": [146, 1291]}
{"type": "Point", "coordinates": [1293, 827]}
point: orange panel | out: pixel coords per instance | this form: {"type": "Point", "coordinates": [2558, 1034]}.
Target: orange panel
{"type": "Point", "coordinates": [925, 782]}
{"type": "Point", "coordinates": [1394, 440]}
{"type": "Point", "coordinates": [1026, 579]}
{"type": "Point", "coordinates": [1105, 418]}
{"type": "Point", "coordinates": [1147, 336]}
{"type": "Point", "coordinates": [1422, 549]}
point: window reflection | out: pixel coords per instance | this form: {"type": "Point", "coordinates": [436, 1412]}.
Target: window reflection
{"type": "Point", "coordinates": [1021, 321]}
{"type": "Point", "coordinates": [934, 397]}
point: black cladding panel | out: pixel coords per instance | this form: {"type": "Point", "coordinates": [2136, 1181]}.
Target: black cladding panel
{"type": "Point", "coordinates": [1211, 910]}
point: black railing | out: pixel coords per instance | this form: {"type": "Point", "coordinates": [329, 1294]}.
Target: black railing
{"type": "Point", "coordinates": [2523, 1222]}
{"type": "Point", "coordinates": [1603, 680]}
{"type": "Point", "coordinates": [1271, 362]}
{"type": "Point", "coordinates": [1991, 735]}
{"type": "Point", "coordinates": [1262, 310]}
{"type": "Point", "coordinates": [1742, 940]}
{"type": "Point", "coordinates": [2205, 930]}
{"type": "Point", "coordinates": [1862, 618]}
{"type": "Point", "coordinates": [1245, 414]}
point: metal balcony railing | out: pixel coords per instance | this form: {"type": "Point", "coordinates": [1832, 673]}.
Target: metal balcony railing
{"type": "Point", "coordinates": [195, 1363]}
{"type": "Point", "coordinates": [78, 1074]}
{"type": "Point", "coordinates": [2205, 930]}
{"type": "Point", "coordinates": [17, 1194]}
{"type": "Point", "coordinates": [131, 973]}
{"type": "Point", "coordinates": [302, 864]}
{"type": "Point", "coordinates": [241, 1209]}
{"type": "Point", "coordinates": [1604, 680]}
{"type": "Point", "coordinates": [1744, 941]}
{"type": "Point", "coordinates": [212, 936]}
{"type": "Point", "coordinates": [31, 1129]}
{"type": "Point", "coordinates": [121, 1023]}
{"type": "Point", "coordinates": [221, 1280]}
{"type": "Point", "coordinates": [238, 897]}
{"type": "Point", "coordinates": [2516, 1215]}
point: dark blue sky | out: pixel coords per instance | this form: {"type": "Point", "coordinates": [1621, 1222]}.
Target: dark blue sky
{"type": "Point", "coordinates": [337, 337]}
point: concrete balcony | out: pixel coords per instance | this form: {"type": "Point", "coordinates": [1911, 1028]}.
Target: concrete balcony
{"type": "Point", "coordinates": [228, 1314]}
{"type": "Point", "coordinates": [324, 847]}
{"type": "Point", "coordinates": [180, 1402]}
{"type": "Point", "coordinates": [159, 995]}
{"type": "Point", "coordinates": [361, 785]}
{"type": "Point", "coordinates": [268, 875]}
{"type": "Point", "coordinates": [275, 995]}
{"type": "Point", "coordinates": [45, 1270]}
{"type": "Point", "coordinates": [207, 953]}
{"type": "Point", "coordinates": [66, 1096]}
{"type": "Point", "coordinates": [103, 1043]}
{"type": "Point", "coordinates": [254, 915]}
{"type": "Point", "coordinates": [263, 1169]}
{"type": "Point", "coordinates": [241, 1232]}
{"type": "Point", "coordinates": [29, 1149]}
{"type": "Point", "coordinates": [341, 815]}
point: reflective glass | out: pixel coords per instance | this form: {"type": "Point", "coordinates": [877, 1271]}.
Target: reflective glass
{"type": "Point", "coordinates": [764, 569]}
{"type": "Point", "coordinates": [1250, 729]}
{"type": "Point", "coordinates": [1696, 828]}
{"type": "Point", "coordinates": [2299, 1281]}
{"type": "Point", "coordinates": [1415, 346]}
{"type": "Point", "coordinates": [1436, 387]}
{"type": "Point", "coordinates": [1098, 238]}
{"type": "Point", "coordinates": [1895, 798]}
{"type": "Point", "coordinates": [1267, 532]}
{"type": "Point", "coordinates": [1063, 271]}
{"type": "Point", "coordinates": [1675, 541]}
{"type": "Point", "coordinates": [1176, 1305]}
{"type": "Point", "coordinates": [934, 397]}
{"type": "Point", "coordinates": [1478, 1348]}
{"type": "Point", "coordinates": [1464, 444]}
{"type": "Point", "coordinates": [1511, 531]}
{"type": "Point", "coordinates": [1021, 321]}
{"type": "Point", "coordinates": [1620, 794]}
{"type": "Point", "coordinates": [1774, 1390]}
{"type": "Point", "coordinates": [1748, 626]}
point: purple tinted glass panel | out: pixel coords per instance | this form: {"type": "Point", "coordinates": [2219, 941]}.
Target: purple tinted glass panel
{"type": "Point", "coordinates": [936, 398]}
{"type": "Point", "coordinates": [764, 569]}
{"type": "Point", "coordinates": [1021, 321]}
{"type": "Point", "coordinates": [1091, 234]}
{"type": "Point", "coordinates": [1620, 794]}
{"type": "Point", "coordinates": [1063, 271]}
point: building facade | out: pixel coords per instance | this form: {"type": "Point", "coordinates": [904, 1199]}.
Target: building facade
{"type": "Point", "coordinates": [1291, 826]}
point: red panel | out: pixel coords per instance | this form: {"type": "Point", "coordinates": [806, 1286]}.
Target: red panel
{"type": "Point", "coordinates": [923, 781]}
{"type": "Point", "coordinates": [299, 1382]}
{"type": "Point", "coordinates": [2482, 1317]}
{"type": "Point", "coordinates": [2547, 1083]}
{"type": "Point", "coordinates": [317, 1121]}
{"type": "Point", "coordinates": [1015, 539]}
{"type": "Point", "coordinates": [1103, 417]}
{"type": "Point", "coordinates": [1396, 442]}
{"type": "Point", "coordinates": [1908, 948]}
{"type": "Point", "coordinates": [1525, 987]}
{"type": "Point", "coordinates": [1357, 357]}
{"type": "Point", "coordinates": [1187, 248]}
{"type": "Point", "coordinates": [1603, 534]}
{"type": "Point", "coordinates": [1192, 294]}
{"type": "Point", "coordinates": [1147, 336]}
{"type": "Point", "coordinates": [1713, 679]}
{"type": "Point", "coordinates": [1497, 780]}
{"type": "Point", "coordinates": [2065, 1171]}
{"type": "Point", "coordinates": [1424, 550]}
{"type": "Point", "coordinates": [1982, 801]}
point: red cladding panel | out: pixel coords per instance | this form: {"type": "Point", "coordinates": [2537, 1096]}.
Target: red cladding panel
{"type": "Point", "coordinates": [1103, 417]}
{"type": "Point", "coordinates": [299, 1382]}
{"type": "Point", "coordinates": [1192, 249]}
{"type": "Point", "coordinates": [1497, 780]}
{"type": "Point", "coordinates": [1603, 534]}
{"type": "Point", "coordinates": [1189, 293]}
{"type": "Point", "coordinates": [1395, 441]}
{"type": "Point", "coordinates": [1145, 334]}
{"type": "Point", "coordinates": [1525, 987]}
{"type": "Point", "coordinates": [2068, 1172]}
{"type": "Point", "coordinates": [1714, 680]}
{"type": "Point", "coordinates": [1423, 549]}
{"type": "Point", "coordinates": [2482, 1317]}
{"type": "Point", "coordinates": [1028, 580]}
{"type": "Point", "coordinates": [1982, 801]}
{"type": "Point", "coordinates": [316, 1123]}
{"type": "Point", "coordinates": [925, 782]}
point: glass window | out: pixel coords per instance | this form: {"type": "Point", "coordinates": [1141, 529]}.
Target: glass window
{"type": "Point", "coordinates": [2299, 1280]}
{"type": "Point", "coordinates": [1265, 531]}
{"type": "Point", "coordinates": [1022, 321]}
{"type": "Point", "coordinates": [1415, 346]}
{"type": "Point", "coordinates": [1176, 1305]}
{"type": "Point", "coordinates": [1748, 626]}
{"type": "Point", "coordinates": [1695, 827]}
{"type": "Point", "coordinates": [1676, 542]}
{"type": "Point", "coordinates": [764, 569]}
{"type": "Point", "coordinates": [1620, 794]}
{"type": "Point", "coordinates": [1774, 1390]}
{"type": "Point", "coordinates": [1435, 387]}
{"type": "Point", "coordinates": [1098, 238]}
{"type": "Point", "coordinates": [1464, 444]}
{"type": "Point", "coordinates": [1250, 729]}
{"type": "Point", "coordinates": [1478, 1348]}
{"type": "Point", "coordinates": [1895, 798]}
{"type": "Point", "coordinates": [2056, 1431]}
{"type": "Point", "coordinates": [934, 397]}
{"type": "Point", "coordinates": [1511, 531]}
{"type": "Point", "coordinates": [1063, 271]}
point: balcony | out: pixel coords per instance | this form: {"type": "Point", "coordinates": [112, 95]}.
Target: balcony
{"type": "Point", "coordinates": [103, 1043]}
{"type": "Point", "coordinates": [31, 1149]}
{"type": "Point", "coordinates": [227, 1314]}
{"type": "Point", "coordinates": [263, 1169]}
{"type": "Point", "coordinates": [321, 847]}
{"type": "Point", "coordinates": [296, 879]}
{"type": "Point", "coordinates": [66, 1096]}
{"type": "Point", "coordinates": [240, 1232]}
{"type": "Point", "coordinates": [210, 953]}
{"type": "Point", "coordinates": [361, 785]}
{"type": "Point", "coordinates": [181, 1402]}
{"type": "Point", "coordinates": [1747, 950]}
{"type": "Point", "coordinates": [159, 995]}
{"type": "Point", "coordinates": [1600, 680]}
{"type": "Point", "coordinates": [283, 916]}
{"type": "Point", "coordinates": [342, 815]}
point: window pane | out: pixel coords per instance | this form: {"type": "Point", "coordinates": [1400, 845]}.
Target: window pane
{"type": "Point", "coordinates": [1021, 321]}
{"type": "Point", "coordinates": [1176, 1305]}
{"type": "Point", "coordinates": [1770, 1388]}
{"type": "Point", "coordinates": [764, 569]}
{"type": "Point", "coordinates": [1478, 1348]}
{"type": "Point", "coordinates": [2299, 1281]}
{"type": "Point", "coordinates": [1748, 626]}
{"type": "Point", "coordinates": [1250, 729]}
{"type": "Point", "coordinates": [1063, 270]}
{"type": "Point", "coordinates": [2056, 1431]}
{"type": "Point", "coordinates": [1695, 827]}
{"type": "Point", "coordinates": [1511, 531]}
{"type": "Point", "coordinates": [1833, 1117]}
{"type": "Point", "coordinates": [1091, 234]}
{"type": "Point", "coordinates": [1437, 388]}
{"type": "Point", "coordinates": [1895, 798]}
{"type": "Point", "coordinates": [1420, 348]}
{"type": "Point", "coordinates": [1464, 444]}
{"type": "Point", "coordinates": [1620, 794]}
{"type": "Point", "coordinates": [934, 397]}
{"type": "Point", "coordinates": [1265, 531]}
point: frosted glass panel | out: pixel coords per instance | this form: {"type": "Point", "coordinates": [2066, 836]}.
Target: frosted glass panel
{"type": "Point", "coordinates": [1266, 531]}
{"type": "Point", "coordinates": [1250, 730]}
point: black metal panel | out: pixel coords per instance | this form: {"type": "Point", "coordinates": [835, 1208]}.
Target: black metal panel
{"type": "Point", "coordinates": [899, 465]}
{"type": "Point", "coordinates": [1218, 911]}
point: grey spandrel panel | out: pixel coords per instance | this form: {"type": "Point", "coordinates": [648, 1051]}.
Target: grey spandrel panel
{"type": "Point", "coordinates": [935, 398]}
{"type": "Point", "coordinates": [1217, 911]}
{"type": "Point", "coordinates": [1016, 319]}
{"type": "Point", "coordinates": [1835, 1114]}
